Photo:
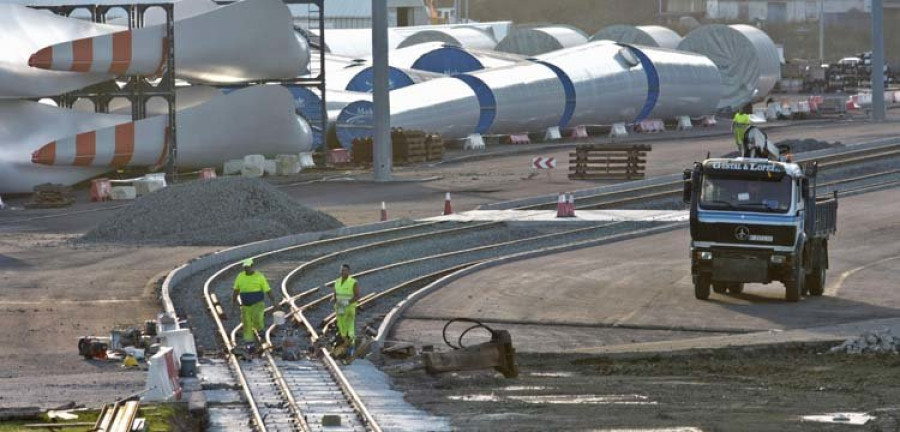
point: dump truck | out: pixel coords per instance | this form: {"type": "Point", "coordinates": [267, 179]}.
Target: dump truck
{"type": "Point", "coordinates": [757, 219]}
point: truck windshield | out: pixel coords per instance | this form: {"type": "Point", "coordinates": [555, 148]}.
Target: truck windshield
{"type": "Point", "coordinates": [746, 194]}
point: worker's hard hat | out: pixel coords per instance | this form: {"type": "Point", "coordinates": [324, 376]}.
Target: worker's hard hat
{"type": "Point", "coordinates": [248, 262]}
{"type": "Point", "coordinates": [130, 362]}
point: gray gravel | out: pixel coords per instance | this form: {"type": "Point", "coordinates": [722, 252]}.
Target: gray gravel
{"type": "Point", "coordinates": [221, 212]}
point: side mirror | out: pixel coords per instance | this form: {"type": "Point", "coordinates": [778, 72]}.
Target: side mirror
{"type": "Point", "coordinates": [686, 193]}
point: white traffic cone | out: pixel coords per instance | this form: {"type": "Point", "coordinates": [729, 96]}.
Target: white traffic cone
{"type": "Point", "coordinates": [571, 205]}
{"type": "Point", "coordinates": [561, 208]}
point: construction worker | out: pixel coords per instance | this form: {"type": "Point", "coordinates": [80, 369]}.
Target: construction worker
{"type": "Point", "coordinates": [252, 287]}
{"type": "Point", "coordinates": [739, 126]}
{"type": "Point", "coordinates": [346, 297]}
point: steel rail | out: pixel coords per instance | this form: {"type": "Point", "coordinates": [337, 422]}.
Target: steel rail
{"type": "Point", "coordinates": [674, 187]}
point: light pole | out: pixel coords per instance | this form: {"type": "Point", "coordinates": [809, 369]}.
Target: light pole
{"type": "Point", "coordinates": [381, 115]}
{"type": "Point", "coordinates": [877, 61]}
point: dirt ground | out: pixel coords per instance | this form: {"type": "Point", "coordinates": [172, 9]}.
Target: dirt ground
{"type": "Point", "coordinates": [52, 294]}
{"type": "Point", "coordinates": [736, 390]}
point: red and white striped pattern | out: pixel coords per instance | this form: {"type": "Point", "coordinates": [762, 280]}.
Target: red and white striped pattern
{"type": "Point", "coordinates": [129, 52]}
{"type": "Point", "coordinates": [543, 163]}
{"type": "Point", "coordinates": [135, 143]}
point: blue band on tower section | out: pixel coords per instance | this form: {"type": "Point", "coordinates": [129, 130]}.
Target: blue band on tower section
{"type": "Point", "coordinates": [354, 121]}
{"type": "Point", "coordinates": [652, 83]}
{"type": "Point", "coordinates": [363, 81]}
{"type": "Point", "coordinates": [486, 101]}
{"type": "Point", "coordinates": [448, 60]}
{"type": "Point", "coordinates": [569, 89]}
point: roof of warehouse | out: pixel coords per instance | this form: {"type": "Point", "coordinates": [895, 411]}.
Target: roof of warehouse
{"type": "Point", "coordinates": [352, 8]}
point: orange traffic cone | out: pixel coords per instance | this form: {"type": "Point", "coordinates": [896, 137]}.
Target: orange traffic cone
{"type": "Point", "coordinates": [448, 208]}
{"type": "Point", "coordinates": [561, 207]}
{"type": "Point", "coordinates": [383, 212]}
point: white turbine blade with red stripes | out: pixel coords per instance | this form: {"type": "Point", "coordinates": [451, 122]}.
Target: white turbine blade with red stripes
{"type": "Point", "coordinates": [255, 120]}
{"type": "Point", "coordinates": [244, 41]}
{"type": "Point", "coordinates": [29, 125]}
{"type": "Point", "coordinates": [24, 30]}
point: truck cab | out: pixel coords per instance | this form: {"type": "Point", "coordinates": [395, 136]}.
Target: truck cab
{"type": "Point", "coordinates": [757, 220]}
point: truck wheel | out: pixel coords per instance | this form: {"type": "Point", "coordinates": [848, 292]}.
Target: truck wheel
{"type": "Point", "coordinates": [816, 281]}
{"type": "Point", "coordinates": [794, 286]}
{"type": "Point", "coordinates": [720, 287]}
{"type": "Point", "coordinates": [736, 287]}
{"type": "Point", "coordinates": [701, 286]}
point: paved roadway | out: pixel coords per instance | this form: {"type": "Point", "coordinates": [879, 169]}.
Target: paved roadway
{"type": "Point", "coordinates": [569, 301]}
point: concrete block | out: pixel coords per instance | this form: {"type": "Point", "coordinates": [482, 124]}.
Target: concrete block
{"type": "Point", "coordinates": [331, 420]}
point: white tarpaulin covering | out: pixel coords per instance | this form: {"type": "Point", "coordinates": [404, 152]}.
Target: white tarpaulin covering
{"type": "Point", "coordinates": [531, 41]}
{"type": "Point", "coordinates": [651, 36]}
{"type": "Point", "coordinates": [745, 56]}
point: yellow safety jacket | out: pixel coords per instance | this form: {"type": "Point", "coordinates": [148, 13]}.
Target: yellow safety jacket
{"type": "Point", "coordinates": [252, 288]}
{"type": "Point", "coordinates": [740, 124]}
{"type": "Point", "coordinates": [343, 291]}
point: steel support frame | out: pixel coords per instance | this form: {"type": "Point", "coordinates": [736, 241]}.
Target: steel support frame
{"type": "Point", "coordinates": [138, 89]}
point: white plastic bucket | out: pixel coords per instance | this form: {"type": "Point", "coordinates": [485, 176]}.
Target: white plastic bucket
{"type": "Point", "coordinates": [278, 316]}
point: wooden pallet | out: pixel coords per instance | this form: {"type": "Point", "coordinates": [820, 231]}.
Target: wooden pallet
{"type": "Point", "coordinates": [435, 147]}
{"type": "Point", "coordinates": [608, 162]}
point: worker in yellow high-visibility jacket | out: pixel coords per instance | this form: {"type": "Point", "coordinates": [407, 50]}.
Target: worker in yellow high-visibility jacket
{"type": "Point", "coordinates": [739, 126]}
{"type": "Point", "coordinates": [346, 298]}
{"type": "Point", "coordinates": [252, 287]}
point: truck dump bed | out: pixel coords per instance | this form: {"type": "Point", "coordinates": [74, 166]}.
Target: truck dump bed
{"type": "Point", "coordinates": [821, 219]}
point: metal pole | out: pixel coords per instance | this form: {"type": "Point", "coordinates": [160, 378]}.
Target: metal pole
{"type": "Point", "coordinates": [467, 11]}
{"type": "Point", "coordinates": [877, 61]}
{"type": "Point", "coordinates": [821, 32]}
{"type": "Point", "coordinates": [456, 13]}
{"type": "Point", "coordinates": [380, 96]}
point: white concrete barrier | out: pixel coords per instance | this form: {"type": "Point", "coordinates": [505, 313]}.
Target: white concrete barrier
{"type": "Point", "coordinates": [162, 377]}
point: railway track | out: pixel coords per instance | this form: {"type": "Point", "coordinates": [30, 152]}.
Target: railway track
{"type": "Point", "coordinates": [673, 189]}
{"type": "Point", "coordinates": [298, 395]}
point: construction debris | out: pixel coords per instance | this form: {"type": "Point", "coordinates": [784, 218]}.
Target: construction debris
{"type": "Point", "coordinates": [51, 196]}
{"type": "Point", "coordinates": [871, 342]}
{"type": "Point", "coordinates": [225, 212]}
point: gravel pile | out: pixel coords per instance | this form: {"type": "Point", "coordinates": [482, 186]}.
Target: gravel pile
{"type": "Point", "coordinates": [872, 342]}
{"type": "Point", "coordinates": [221, 212]}
{"type": "Point", "coordinates": [800, 146]}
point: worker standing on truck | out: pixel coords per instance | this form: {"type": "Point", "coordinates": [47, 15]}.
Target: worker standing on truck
{"type": "Point", "coordinates": [739, 127]}
{"type": "Point", "coordinates": [252, 287]}
{"type": "Point", "coordinates": [346, 297]}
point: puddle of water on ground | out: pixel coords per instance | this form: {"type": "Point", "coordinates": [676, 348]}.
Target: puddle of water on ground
{"type": "Point", "coordinates": [552, 374]}
{"type": "Point", "coordinates": [476, 398]}
{"type": "Point", "coordinates": [840, 418]}
{"type": "Point", "coordinates": [671, 429]}
{"type": "Point", "coordinates": [559, 399]}
{"type": "Point", "coordinates": [585, 399]}
{"type": "Point", "coordinates": [524, 388]}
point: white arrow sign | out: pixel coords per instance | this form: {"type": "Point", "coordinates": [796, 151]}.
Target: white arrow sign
{"type": "Point", "coordinates": [543, 163]}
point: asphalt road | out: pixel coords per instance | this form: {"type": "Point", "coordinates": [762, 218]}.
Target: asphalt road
{"type": "Point", "coordinates": [644, 287]}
